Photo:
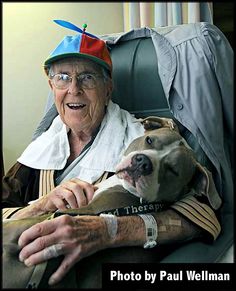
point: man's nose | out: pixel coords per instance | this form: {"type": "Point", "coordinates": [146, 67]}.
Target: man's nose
{"type": "Point", "coordinates": [75, 87]}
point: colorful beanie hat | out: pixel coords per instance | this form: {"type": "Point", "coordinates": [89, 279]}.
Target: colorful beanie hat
{"type": "Point", "coordinates": [83, 45]}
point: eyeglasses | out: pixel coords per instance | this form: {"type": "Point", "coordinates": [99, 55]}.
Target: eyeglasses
{"type": "Point", "coordinates": [85, 80]}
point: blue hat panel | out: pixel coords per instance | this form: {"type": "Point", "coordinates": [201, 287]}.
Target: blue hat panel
{"type": "Point", "coordinates": [70, 44]}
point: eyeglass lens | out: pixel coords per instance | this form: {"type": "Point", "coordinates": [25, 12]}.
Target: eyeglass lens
{"type": "Point", "coordinates": [86, 81]}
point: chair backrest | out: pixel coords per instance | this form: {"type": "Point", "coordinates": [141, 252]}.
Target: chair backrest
{"type": "Point", "coordinates": [137, 86]}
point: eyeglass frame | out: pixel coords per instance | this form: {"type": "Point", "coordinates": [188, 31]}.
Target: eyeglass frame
{"type": "Point", "coordinates": [94, 75]}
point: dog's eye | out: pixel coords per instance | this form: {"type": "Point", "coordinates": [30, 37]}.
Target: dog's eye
{"type": "Point", "coordinates": [172, 170]}
{"type": "Point", "coordinates": [148, 140]}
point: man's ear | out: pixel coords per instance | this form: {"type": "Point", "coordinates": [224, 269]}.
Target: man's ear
{"type": "Point", "coordinates": [204, 185]}
{"type": "Point", "coordinates": [154, 122]}
{"type": "Point", "coordinates": [50, 83]}
{"type": "Point", "coordinates": [109, 90]}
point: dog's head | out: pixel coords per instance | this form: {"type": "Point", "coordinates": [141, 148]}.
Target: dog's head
{"type": "Point", "coordinates": [160, 165]}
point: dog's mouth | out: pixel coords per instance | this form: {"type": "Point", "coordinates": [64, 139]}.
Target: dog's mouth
{"type": "Point", "coordinates": [128, 175]}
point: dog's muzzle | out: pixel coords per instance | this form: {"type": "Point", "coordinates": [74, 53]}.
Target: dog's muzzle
{"type": "Point", "coordinates": [141, 165]}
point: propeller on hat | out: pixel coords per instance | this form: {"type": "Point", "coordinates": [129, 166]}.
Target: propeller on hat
{"type": "Point", "coordinates": [71, 26]}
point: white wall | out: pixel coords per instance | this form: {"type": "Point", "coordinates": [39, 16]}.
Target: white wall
{"type": "Point", "coordinates": [29, 35]}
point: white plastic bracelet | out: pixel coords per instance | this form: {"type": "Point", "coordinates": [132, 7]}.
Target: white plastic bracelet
{"type": "Point", "coordinates": [111, 222]}
{"type": "Point", "coordinates": [151, 230]}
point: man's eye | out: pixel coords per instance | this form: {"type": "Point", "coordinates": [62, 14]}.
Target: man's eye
{"type": "Point", "coordinates": [64, 77]}
{"type": "Point", "coordinates": [87, 77]}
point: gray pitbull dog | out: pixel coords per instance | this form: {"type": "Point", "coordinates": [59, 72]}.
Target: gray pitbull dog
{"type": "Point", "coordinates": [159, 166]}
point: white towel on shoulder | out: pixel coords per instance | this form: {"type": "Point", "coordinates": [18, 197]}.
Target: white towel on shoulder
{"type": "Point", "coordinates": [51, 149]}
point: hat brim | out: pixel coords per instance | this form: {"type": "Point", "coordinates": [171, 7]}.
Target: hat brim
{"type": "Point", "coordinates": [77, 55]}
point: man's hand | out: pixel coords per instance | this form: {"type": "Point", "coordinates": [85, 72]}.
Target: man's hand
{"type": "Point", "coordinates": [70, 194]}
{"type": "Point", "coordinates": [73, 193]}
{"type": "Point", "coordinates": [73, 237]}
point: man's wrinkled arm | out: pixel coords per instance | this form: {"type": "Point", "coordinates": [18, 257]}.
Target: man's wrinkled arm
{"type": "Point", "coordinates": [172, 227]}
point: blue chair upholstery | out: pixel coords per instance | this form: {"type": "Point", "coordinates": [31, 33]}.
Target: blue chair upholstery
{"type": "Point", "coordinates": [137, 86]}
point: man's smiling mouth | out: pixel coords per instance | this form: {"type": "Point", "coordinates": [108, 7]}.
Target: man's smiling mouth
{"type": "Point", "coordinates": [76, 106]}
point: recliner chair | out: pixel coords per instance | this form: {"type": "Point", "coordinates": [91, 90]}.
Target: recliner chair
{"type": "Point", "coordinates": [136, 78]}
{"type": "Point", "coordinates": [138, 89]}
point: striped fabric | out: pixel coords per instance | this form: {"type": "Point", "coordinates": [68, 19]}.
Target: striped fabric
{"type": "Point", "coordinates": [199, 213]}
{"type": "Point", "coordinates": [46, 185]}
{"type": "Point", "coordinates": [46, 182]}
{"type": "Point", "coordinates": [157, 14]}
{"type": "Point", "coordinates": [7, 212]}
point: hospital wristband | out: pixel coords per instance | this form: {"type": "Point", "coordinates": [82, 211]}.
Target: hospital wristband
{"type": "Point", "coordinates": [151, 230]}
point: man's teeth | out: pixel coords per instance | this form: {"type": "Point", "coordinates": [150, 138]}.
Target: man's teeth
{"type": "Point", "coordinates": [75, 105]}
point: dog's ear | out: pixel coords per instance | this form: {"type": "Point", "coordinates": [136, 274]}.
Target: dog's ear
{"type": "Point", "coordinates": [154, 122]}
{"type": "Point", "coordinates": [204, 185]}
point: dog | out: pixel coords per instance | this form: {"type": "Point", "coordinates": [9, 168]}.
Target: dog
{"type": "Point", "coordinates": [158, 167]}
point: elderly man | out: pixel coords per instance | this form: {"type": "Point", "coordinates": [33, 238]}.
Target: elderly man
{"type": "Point", "coordinates": [60, 168]}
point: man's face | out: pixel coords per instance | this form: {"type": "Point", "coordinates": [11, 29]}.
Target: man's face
{"type": "Point", "coordinates": [81, 109]}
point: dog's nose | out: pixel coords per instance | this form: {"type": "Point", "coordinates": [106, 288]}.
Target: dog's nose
{"type": "Point", "coordinates": [142, 164]}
